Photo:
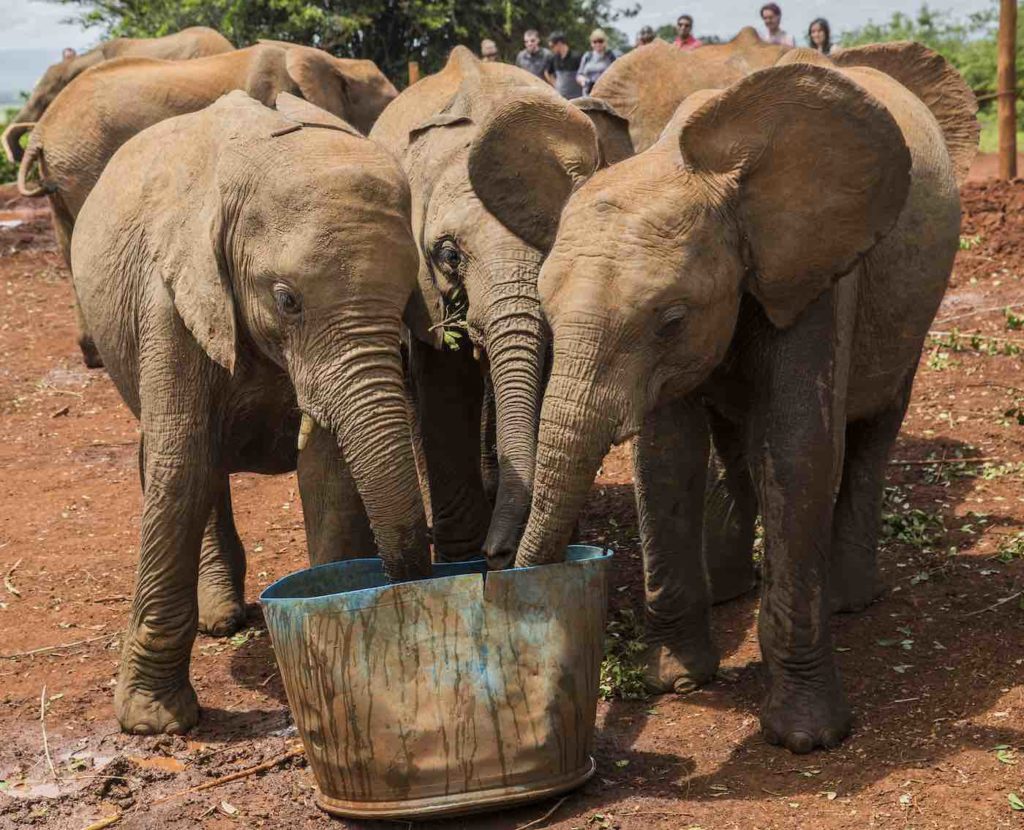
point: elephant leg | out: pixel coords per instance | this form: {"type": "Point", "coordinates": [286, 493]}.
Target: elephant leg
{"type": "Point", "coordinates": [449, 393]}
{"type": "Point", "coordinates": [489, 468]}
{"type": "Point", "coordinates": [221, 571]}
{"type": "Point", "coordinates": [855, 527]}
{"type": "Point", "coordinates": [153, 691]}
{"type": "Point", "coordinates": [796, 433]}
{"type": "Point", "coordinates": [670, 457]}
{"type": "Point", "coordinates": [337, 526]}
{"type": "Point", "coordinates": [63, 226]}
{"type": "Point", "coordinates": [730, 510]}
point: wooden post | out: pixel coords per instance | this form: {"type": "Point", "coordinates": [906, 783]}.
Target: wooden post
{"type": "Point", "coordinates": [1006, 86]}
{"type": "Point", "coordinates": [414, 72]}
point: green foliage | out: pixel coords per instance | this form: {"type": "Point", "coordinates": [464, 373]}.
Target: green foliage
{"type": "Point", "coordinates": [622, 672]}
{"type": "Point", "coordinates": [909, 525]}
{"type": "Point", "coordinates": [8, 171]}
{"type": "Point", "coordinates": [388, 32]}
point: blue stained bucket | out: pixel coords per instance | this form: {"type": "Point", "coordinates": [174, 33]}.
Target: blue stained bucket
{"type": "Point", "coordinates": [469, 691]}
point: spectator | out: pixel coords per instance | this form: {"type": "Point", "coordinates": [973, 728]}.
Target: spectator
{"type": "Point", "coordinates": [595, 63]}
{"type": "Point", "coordinates": [488, 50]}
{"type": "Point", "coordinates": [819, 35]}
{"type": "Point", "coordinates": [771, 14]}
{"type": "Point", "coordinates": [645, 36]}
{"type": "Point", "coordinates": [684, 34]}
{"type": "Point", "coordinates": [562, 67]}
{"type": "Point", "coordinates": [68, 54]}
{"type": "Point", "coordinates": [533, 58]}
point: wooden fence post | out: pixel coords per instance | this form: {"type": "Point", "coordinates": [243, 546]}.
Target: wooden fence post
{"type": "Point", "coordinates": [1006, 86]}
{"type": "Point", "coordinates": [414, 72]}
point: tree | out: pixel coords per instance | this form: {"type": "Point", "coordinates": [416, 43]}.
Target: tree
{"type": "Point", "coordinates": [388, 32]}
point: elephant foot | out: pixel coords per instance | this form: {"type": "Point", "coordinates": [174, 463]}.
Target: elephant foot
{"type": "Point", "coordinates": [679, 669]}
{"type": "Point", "coordinates": [221, 613]}
{"type": "Point", "coordinates": [142, 711]}
{"type": "Point", "coordinates": [90, 354]}
{"type": "Point", "coordinates": [803, 719]}
{"type": "Point", "coordinates": [733, 583]}
{"type": "Point", "coordinates": [853, 596]}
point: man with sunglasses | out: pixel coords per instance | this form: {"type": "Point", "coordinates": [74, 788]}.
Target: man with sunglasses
{"type": "Point", "coordinates": [595, 62]}
{"type": "Point", "coordinates": [534, 57]}
{"type": "Point", "coordinates": [684, 34]}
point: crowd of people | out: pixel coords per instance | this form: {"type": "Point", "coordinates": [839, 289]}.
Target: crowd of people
{"type": "Point", "coordinates": [574, 73]}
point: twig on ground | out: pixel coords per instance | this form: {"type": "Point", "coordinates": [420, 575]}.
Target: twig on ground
{"type": "Point", "coordinates": [938, 462]}
{"type": "Point", "coordinates": [8, 582]}
{"type": "Point", "coordinates": [104, 822]}
{"type": "Point", "coordinates": [544, 817]}
{"type": "Point", "coordinates": [45, 649]}
{"type": "Point", "coordinates": [976, 312]}
{"type": "Point", "coordinates": [42, 727]}
{"type": "Point", "coordinates": [115, 598]}
{"type": "Point", "coordinates": [994, 605]}
{"type": "Point", "coordinates": [270, 677]}
{"type": "Point", "coordinates": [235, 776]}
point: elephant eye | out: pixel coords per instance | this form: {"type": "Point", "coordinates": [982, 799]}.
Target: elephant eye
{"type": "Point", "coordinates": [288, 302]}
{"type": "Point", "coordinates": [448, 256]}
{"type": "Point", "coordinates": [672, 323]}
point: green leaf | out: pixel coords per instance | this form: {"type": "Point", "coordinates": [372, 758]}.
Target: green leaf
{"type": "Point", "coordinates": [1015, 802]}
{"type": "Point", "coordinates": [622, 764]}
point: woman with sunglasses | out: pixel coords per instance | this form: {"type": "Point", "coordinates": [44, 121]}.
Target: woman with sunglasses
{"type": "Point", "coordinates": [595, 62]}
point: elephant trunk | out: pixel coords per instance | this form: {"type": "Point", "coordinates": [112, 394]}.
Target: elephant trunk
{"type": "Point", "coordinates": [362, 400]}
{"type": "Point", "coordinates": [12, 138]}
{"type": "Point", "coordinates": [578, 423]}
{"type": "Point", "coordinates": [516, 350]}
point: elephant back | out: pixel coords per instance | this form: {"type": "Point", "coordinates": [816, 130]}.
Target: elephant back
{"type": "Point", "coordinates": [937, 83]}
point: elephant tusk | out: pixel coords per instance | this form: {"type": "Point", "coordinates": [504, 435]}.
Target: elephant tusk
{"type": "Point", "coordinates": [305, 427]}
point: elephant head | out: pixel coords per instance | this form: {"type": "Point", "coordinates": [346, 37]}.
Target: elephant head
{"type": "Point", "coordinates": [492, 155]}
{"type": "Point", "coordinates": [355, 90]}
{"type": "Point", "coordinates": [54, 79]}
{"type": "Point", "coordinates": [309, 266]}
{"type": "Point", "coordinates": [774, 187]}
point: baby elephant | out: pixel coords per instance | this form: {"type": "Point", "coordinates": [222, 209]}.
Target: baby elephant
{"type": "Point", "coordinates": [239, 265]}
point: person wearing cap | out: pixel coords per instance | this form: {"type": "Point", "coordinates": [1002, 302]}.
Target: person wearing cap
{"type": "Point", "coordinates": [595, 63]}
{"type": "Point", "coordinates": [771, 14]}
{"type": "Point", "coordinates": [488, 50]}
{"type": "Point", "coordinates": [645, 36]}
{"type": "Point", "coordinates": [562, 67]}
{"type": "Point", "coordinates": [684, 34]}
{"type": "Point", "coordinates": [533, 57]}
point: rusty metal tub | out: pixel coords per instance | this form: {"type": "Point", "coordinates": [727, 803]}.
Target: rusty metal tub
{"type": "Point", "coordinates": [466, 692]}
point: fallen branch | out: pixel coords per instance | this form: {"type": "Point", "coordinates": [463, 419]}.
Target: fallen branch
{"type": "Point", "coordinates": [978, 311]}
{"type": "Point", "coordinates": [938, 462]}
{"type": "Point", "coordinates": [115, 598]}
{"type": "Point", "coordinates": [994, 605]}
{"type": "Point", "coordinates": [8, 583]}
{"type": "Point", "coordinates": [544, 817]}
{"type": "Point", "coordinates": [235, 776]}
{"type": "Point", "coordinates": [46, 649]}
{"type": "Point", "coordinates": [104, 822]}
{"type": "Point", "coordinates": [42, 727]}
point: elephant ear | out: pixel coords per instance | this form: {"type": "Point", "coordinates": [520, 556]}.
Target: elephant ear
{"type": "Point", "coordinates": [527, 159]}
{"type": "Point", "coordinates": [193, 269]}
{"type": "Point", "coordinates": [613, 139]}
{"type": "Point", "coordinates": [936, 82]}
{"type": "Point", "coordinates": [318, 77]}
{"type": "Point", "coordinates": [822, 172]}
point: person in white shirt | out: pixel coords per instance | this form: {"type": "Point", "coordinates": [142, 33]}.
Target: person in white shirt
{"type": "Point", "coordinates": [771, 14]}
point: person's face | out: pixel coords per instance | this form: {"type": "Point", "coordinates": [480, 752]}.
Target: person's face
{"type": "Point", "coordinates": [817, 35]}
{"type": "Point", "coordinates": [771, 20]}
{"type": "Point", "coordinates": [646, 38]}
{"type": "Point", "coordinates": [531, 42]}
{"type": "Point", "coordinates": [684, 26]}
{"type": "Point", "coordinates": [490, 57]}
{"type": "Point", "coordinates": [560, 48]}
{"type": "Point", "coordinates": [598, 44]}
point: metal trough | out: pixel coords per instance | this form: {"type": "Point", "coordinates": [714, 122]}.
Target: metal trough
{"type": "Point", "coordinates": [466, 692]}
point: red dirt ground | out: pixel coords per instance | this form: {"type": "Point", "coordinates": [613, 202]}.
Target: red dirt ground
{"type": "Point", "coordinates": [934, 670]}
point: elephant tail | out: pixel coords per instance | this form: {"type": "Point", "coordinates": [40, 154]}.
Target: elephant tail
{"type": "Point", "coordinates": [33, 157]}
{"type": "Point", "coordinates": [11, 136]}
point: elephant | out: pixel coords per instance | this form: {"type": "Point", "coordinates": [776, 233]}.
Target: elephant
{"type": "Point", "coordinates": [194, 42]}
{"type": "Point", "coordinates": [764, 277]}
{"type": "Point", "coordinates": [238, 266]}
{"type": "Point", "coordinates": [646, 85]}
{"type": "Point", "coordinates": [492, 153]}
{"type": "Point", "coordinates": [89, 120]}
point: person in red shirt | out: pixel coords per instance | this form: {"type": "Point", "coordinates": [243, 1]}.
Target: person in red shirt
{"type": "Point", "coordinates": [684, 34]}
